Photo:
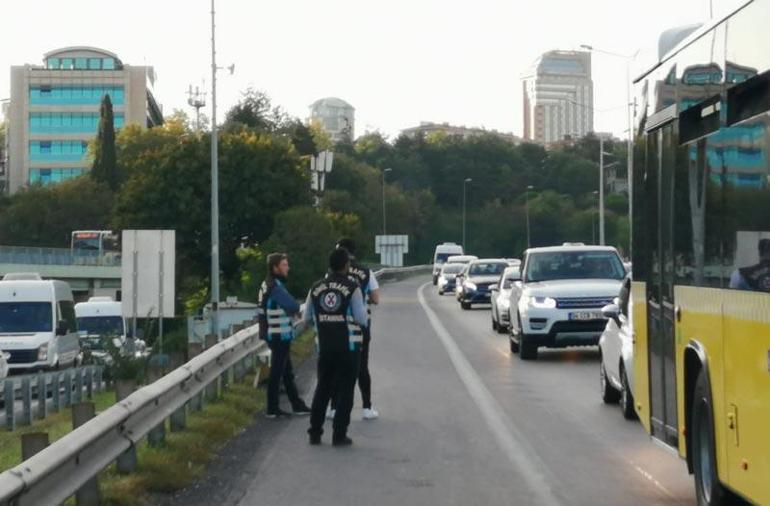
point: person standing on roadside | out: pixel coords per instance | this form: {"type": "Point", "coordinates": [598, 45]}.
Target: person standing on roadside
{"type": "Point", "coordinates": [370, 290]}
{"type": "Point", "coordinates": [336, 307]}
{"type": "Point", "coordinates": [276, 309]}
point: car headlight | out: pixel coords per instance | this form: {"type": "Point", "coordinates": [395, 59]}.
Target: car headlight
{"type": "Point", "coordinates": [442, 280]}
{"type": "Point", "coordinates": [42, 352]}
{"type": "Point", "coordinates": [542, 302]}
{"type": "Point", "coordinates": [470, 286]}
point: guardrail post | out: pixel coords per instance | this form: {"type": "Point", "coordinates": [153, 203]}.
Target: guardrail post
{"type": "Point", "coordinates": [33, 443]}
{"type": "Point", "coordinates": [56, 391]}
{"type": "Point", "coordinates": [78, 395]}
{"type": "Point", "coordinates": [42, 396]}
{"type": "Point", "coordinates": [67, 388]}
{"type": "Point", "coordinates": [89, 382]}
{"type": "Point", "coordinates": [212, 389]}
{"type": "Point", "coordinates": [157, 435]}
{"type": "Point", "coordinates": [126, 462]}
{"type": "Point", "coordinates": [26, 399]}
{"type": "Point", "coordinates": [9, 397]}
{"type": "Point", "coordinates": [225, 378]}
{"type": "Point", "coordinates": [194, 349]}
{"type": "Point", "coordinates": [88, 494]}
{"type": "Point", "coordinates": [178, 420]}
{"type": "Point", "coordinates": [98, 377]}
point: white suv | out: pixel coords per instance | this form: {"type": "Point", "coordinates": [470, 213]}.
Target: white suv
{"type": "Point", "coordinates": [561, 295]}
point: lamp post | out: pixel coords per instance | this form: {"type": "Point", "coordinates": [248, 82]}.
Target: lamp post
{"type": "Point", "coordinates": [593, 217]}
{"type": "Point", "coordinates": [385, 171]}
{"type": "Point", "coordinates": [214, 182]}
{"type": "Point", "coordinates": [526, 195]}
{"type": "Point", "coordinates": [465, 184]}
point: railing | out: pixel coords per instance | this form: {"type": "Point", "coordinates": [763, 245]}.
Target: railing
{"type": "Point", "coordinates": [58, 471]}
{"type": "Point", "coordinates": [56, 256]}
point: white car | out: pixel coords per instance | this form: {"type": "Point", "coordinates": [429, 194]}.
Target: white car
{"type": "Point", "coordinates": [441, 254]}
{"type": "Point", "coordinates": [560, 299]}
{"type": "Point", "coordinates": [616, 372]}
{"type": "Point", "coordinates": [501, 298]}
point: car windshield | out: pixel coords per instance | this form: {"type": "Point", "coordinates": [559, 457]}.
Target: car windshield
{"type": "Point", "coordinates": [510, 278]}
{"type": "Point", "coordinates": [101, 325]}
{"type": "Point", "coordinates": [487, 269]}
{"type": "Point", "coordinates": [442, 257]}
{"type": "Point", "coordinates": [453, 268]}
{"type": "Point", "coordinates": [548, 266]}
{"type": "Point", "coordinates": [25, 317]}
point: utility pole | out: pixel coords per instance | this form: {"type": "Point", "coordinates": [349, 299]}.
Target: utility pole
{"type": "Point", "coordinates": [214, 182]}
{"type": "Point", "coordinates": [526, 196]}
{"type": "Point", "coordinates": [601, 190]}
{"type": "Point", "coordinates": [385, 171]}
{"type": "Point", "coordinates": [465, 184]}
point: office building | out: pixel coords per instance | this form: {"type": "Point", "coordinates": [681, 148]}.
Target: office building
{"type": "Point", "coordinates": [426, 128]}
{"type": "Point", "coordinates": [558, 97]}
{"type": "Point", "coordinates": [336, 117]}
{"type": "Point", "coordinates": [54, 111]}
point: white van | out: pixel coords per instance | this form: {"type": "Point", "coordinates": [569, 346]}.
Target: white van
{"type": "Point", "coordinates": [99, 318]}
{"type": "Point", "coordinates": [440, 256]}
{"type": "Point", "coordinates": [38, 329]}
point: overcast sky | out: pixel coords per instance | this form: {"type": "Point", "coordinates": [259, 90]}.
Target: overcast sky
{"type": "Point", "coordinates": [398, 62]}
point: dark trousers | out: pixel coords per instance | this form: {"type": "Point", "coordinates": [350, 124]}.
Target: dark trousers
{"type": "Point", "coordinates": [337, 370]}
{"type": "Point", "coordinates": [281, 369]}
{"type": "Point", "coordinates": [364, 378]}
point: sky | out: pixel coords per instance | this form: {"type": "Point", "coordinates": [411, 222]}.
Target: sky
{"type": "Point", "coordinates": [398, 62]}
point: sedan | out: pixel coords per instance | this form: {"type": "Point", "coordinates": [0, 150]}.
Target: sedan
{"type": "Point", "coordinates": [477, 279]}
{"type": "Point", "coordinates": [448, 276]}
{"type": "Point", "coordinates": [616, 372]}
{"type": "Point", "coordinates": [501, 298]}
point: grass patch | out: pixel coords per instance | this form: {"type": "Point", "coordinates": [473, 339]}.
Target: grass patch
{"type": "Point", "coordinates": [56, 425]}
{"type": "Point", "coordinates": [184, 456]}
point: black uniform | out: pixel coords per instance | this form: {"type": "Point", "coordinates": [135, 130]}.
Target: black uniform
{"type": "Point", "coordinates": [757, 277]}
{"type": "Point", "coordinates": [339, 351]}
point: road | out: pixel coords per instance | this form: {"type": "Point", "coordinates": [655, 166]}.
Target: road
{"type": "Point", "coordinates": [462, 422]}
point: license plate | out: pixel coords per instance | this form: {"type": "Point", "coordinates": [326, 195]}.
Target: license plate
{"type": "Point", "coordinates": [585, 315]}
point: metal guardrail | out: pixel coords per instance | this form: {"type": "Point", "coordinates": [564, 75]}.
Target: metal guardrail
{"type": "Point", "coordinates": [58, 471]}
{"type": "Point", "coordinates": [56, 256]}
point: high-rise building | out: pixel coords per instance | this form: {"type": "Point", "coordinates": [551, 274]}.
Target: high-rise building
{"type": "Point", "coordinates": [336, 117]}
{"type": "Point", "coordinates": [558, 97]}
{"type": "Point", "coordinates": [54, 111]}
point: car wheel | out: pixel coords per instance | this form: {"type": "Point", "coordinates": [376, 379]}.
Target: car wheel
{"type": "Point", "coordinates": [440, 291]}
{"type": "Point", "coordinates": [609, 394]}
{"type": "Point", "coordinates": [495, 326]}
{"type": "Point", "coordinates": [465, 305]}
{"type": "Point", "coordinates": [527, 348]}
{"type": "Point", "coordinates": [626, 397]}
{"type": "Point", "coordinates": [708, 489]}
{"type": "Point", "coordinates": [514, 345]}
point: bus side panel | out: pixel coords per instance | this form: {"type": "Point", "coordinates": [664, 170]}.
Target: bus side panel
{"type": "Point", "coordinates": [747, 391]}
{"type": "Point", "coordinates": [641, 354]}
{"type": "Point", "coordinates": [701, 322]}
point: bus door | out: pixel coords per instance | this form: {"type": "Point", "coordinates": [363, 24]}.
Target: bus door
{"type": "Point", "coordinates": [661, 160]}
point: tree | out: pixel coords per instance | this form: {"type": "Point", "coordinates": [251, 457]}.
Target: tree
{"type": "Point", "coordinates": [255, 110]}
{"type": "Point", "coordinates": [105, 168]}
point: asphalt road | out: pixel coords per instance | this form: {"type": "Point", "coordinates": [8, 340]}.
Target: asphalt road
{"type": "Point", "coordinates": [462, 422]}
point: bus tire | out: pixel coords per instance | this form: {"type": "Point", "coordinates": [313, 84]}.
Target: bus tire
{"type": "Point", "coordinates": [708, 490]}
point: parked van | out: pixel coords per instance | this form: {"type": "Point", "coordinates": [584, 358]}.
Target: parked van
{"type": "Point", "coordinates": [440, 256]}
{"type": "Point", "coordinates": [99, 318]}
{"type": "Point", "coordinates": [38, 329]}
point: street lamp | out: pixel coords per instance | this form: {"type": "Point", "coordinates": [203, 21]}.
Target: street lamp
{"type": "Point", "coordinates": [385, 171]}
{"type": "Point", "coordinates": [526, 195]}
{"type": "Point", "coordinates": [593, 217]}
{"type": "Point", "coordinates": [465, 184]}
{"type": "Point", "coordinates": [214, 182]}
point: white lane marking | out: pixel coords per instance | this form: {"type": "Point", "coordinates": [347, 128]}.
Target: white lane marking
{"type": "Point", "coordinates": [651, 479]}
{"type": "Point", "coordinates": [524, 459]}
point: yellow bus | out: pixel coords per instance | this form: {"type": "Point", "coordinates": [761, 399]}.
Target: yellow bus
{"type": "Point", "coordinates": [701, 254]}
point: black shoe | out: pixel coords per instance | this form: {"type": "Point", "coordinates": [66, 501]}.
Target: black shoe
{"type": "Point", "coordinates": [278, 413]}
{"type": "Point", "coordinates": [301, 410]}
{"type": "Point", "coordinates": [315, 439]}
{"type": "Point", "coordinates": [342, 441]}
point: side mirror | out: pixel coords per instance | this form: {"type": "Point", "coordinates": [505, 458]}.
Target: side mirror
{"type": "Point", "coordinates": [62, 328]}
{"type": "Point", "coordinates": [612, 311]}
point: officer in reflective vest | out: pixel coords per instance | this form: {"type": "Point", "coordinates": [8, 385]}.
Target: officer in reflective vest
{"type": "Point", "coordinates": [370, 290]}
{"type": "Point", "coordinates": [754, 277]}
{"type": "Point", "coordinates": [336, 307]}
{"type": "Point", "coordinates": [276, 308]}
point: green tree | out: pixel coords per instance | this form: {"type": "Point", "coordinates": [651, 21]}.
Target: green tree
{"type": "Point", "coordinates": [105, 168]}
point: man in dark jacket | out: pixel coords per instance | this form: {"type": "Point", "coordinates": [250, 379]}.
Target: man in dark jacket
{"type": "Point", "coordinates": [276, 309]}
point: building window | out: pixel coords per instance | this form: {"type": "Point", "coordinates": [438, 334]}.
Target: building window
{"type": "Point", "coordinates": [54, 63]}
{"type": "Point", "coordinates": [94, 64]}
{"type": "Point", "coordinates": [66, 63]}
{"type": "Point", "coordinates": [108, 64]}
{"type": "Point", "coordinates": [81, 63]}
{"type": "Point", "coordinates": [46, 177]}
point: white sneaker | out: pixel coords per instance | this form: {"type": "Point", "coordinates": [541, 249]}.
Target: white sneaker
{"type": "Point", "coordinates": [370, 414]}
{"type": "Point", "coordinates": [330, 413]}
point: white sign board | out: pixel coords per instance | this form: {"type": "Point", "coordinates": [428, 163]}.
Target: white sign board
{"type": "Point", "coordinates": [392, 249]}
{"type": "Point", "coordinates": [148, 273]}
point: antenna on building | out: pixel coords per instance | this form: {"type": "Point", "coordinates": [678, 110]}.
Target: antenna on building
{"type": "Point", "coordinates": [196, 99]}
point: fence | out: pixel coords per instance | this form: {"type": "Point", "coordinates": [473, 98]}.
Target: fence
{"type": "Point", "coordinates": [61, 469]}
{"type": "Point", "coordinates": [56, 256]}
{"type": "Point", "coordinates": [65, 387]}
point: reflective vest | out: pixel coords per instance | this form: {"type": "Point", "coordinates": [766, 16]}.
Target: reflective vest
{"type": "Point", "coordinates": [277, 322]}
{"type": "Point", "coordinates": [757, 276]}
{"type": "Point", "coordinates": [333, 314]}
{"type": "Point", "coordinates": [361, 275]}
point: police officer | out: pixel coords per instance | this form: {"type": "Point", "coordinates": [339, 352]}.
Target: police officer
{"type": "Point", "coordinates": [276, 308]}
{"type": "Point", "coordinates": [370, 290]}
{"type": "Point", "coordinates": [336, 307]}
{"type": "Point", "coordinates": [754, 277]}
